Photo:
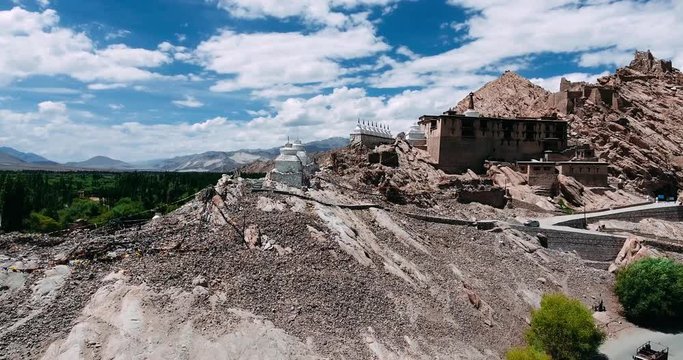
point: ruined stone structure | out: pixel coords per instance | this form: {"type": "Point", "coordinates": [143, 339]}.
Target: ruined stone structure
{"type": "Point", "coordinates": [370, 134]}
{"type": "Point", "coordinates": [292, 166]}
{"type": "Point", "coordinates": [573, 95]}
{"type": "Point", "coordinates": [457, 142]}
{"type": "Point", "coordinates": [544, 173]}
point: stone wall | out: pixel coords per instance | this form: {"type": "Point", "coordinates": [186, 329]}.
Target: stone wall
{"type": "Point", "coordinates": [674, 213]}
{"type": "Point", "coordinates": [492, 196]}
{"type": "Point", "coordinates": [594, 247]}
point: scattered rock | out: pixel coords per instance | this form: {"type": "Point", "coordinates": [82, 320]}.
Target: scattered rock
{"type": "Point", "coordinates": [200, 280]}
{"type": "Point", "coordinates": [252, 236]}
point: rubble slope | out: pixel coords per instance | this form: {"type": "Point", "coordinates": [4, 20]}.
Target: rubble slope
{"type": "Point", "coordinates": [254, 273]}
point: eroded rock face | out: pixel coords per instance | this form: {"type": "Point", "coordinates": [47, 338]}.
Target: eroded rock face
{"type": "Point", "coordinates": [632, 251]}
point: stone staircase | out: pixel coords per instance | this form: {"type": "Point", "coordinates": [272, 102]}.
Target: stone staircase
{"type": "Point", "coordinates": [542, 191]}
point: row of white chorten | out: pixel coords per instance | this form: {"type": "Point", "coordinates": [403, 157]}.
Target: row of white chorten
{"type": "Point", "coordinates": [371, 128]}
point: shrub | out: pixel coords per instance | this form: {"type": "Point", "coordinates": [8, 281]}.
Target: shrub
{"type": "Point", "coordinates": [651, 291]}
{"type": "Point", "coordinates": [42, 223]}
{"type": "Point", "coordinates": [79, 209]}
{"type": "Point", "coordinates": [526, 353]}
{"type": "Point", "coordinates": [564, 329]}
{"type": "Point", "coordinates": [126, 207]}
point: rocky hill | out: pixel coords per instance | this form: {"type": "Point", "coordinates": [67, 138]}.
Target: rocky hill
{"type": "Point", "coordinates": [341, 271]}
{"type": "Point", "coordinates": [510, 95]}
{"type": "Point", "coordinates": [632, 118]}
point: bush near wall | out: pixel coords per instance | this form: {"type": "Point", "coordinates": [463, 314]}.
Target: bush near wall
{"type": "Point", "coordinates": [651, 291]}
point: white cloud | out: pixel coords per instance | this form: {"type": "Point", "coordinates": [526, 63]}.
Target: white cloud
{"type": "Point", "coordinates": [51, 107]}
{"type": "Point", "coordinates": [33, 43]}
{"type": "Point", "coordinates": [502, 30]}
{"type": "Point", "coordinates": [116, 107]}
{"type": "Point", "coordinates": [118, 34]}
{"type": "Point", "coordinates": [65, 134]}
{"type": "Point", "coordinates": [606, 57]}
{"type": "Point", "coordinates": [328, 12]}
{"type": "Point", "coordinates": [553, 83]}
{"type": "Point", "coordinates": [266, 60]}
{"type": "Point", "coordinates": [189, 102]}
{"type": "Point", "coordinates": [98, 86]}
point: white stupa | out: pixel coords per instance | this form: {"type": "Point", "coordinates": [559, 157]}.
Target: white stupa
{"type": "Point", "coordinates": [288, 167]}
{"type": "Point", "coordinates": [416, 136]}
{"type": "Point", "coordinates": [301, 152]}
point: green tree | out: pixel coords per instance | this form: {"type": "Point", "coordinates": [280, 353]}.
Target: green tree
{"type": "Point", "coordinates": [564, 329]}
{"type": "Point", "coordinates": [651, 291]}
{"type": "Point", "coordinates": [79, 209]}
{"type": "Point", "coordinates": [127, 207]}
{"type": "Point", "coordinates": [526, 353]}
{"type": "Point", "coordinates": [13, 206]}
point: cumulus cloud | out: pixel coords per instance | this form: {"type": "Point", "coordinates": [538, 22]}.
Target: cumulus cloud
{"type": "Point", "coordinates": [265, 60]}
{"type": "Point", "coordinates": [327, 12]}
{"type": "Point", "coordinates": [501, 30]}
{"type": "Point", "coordinates": [33, 43]}
{"type": "Point", "coordinates": [188, 102]}
{"type": "Point", "coordinates": [51, 107]}
{"type": "Point", "coordinates": [64, 134]}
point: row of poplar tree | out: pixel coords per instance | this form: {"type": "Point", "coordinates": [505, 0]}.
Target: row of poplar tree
{"type": "Point", "coordinates": [41, 201]}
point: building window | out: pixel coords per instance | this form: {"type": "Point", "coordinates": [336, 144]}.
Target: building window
{"type": "Point", "coordinates": [507, 130]}
{"type": "Point", "coordinates": [467, 128]}
{"type": "Point", "coordinates": [529, 131]}
{"type": "Point", "coordinates": [432, 125]}
{"type": "Point", "coordinates": [483, 125]}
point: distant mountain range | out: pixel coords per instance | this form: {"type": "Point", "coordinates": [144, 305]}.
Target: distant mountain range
{"type": "Point", "coordinates": [212, 161]}
{"type": "Point", "coordinates": [101, 162]}
{"type": "Point", "coordinates": [25, 157]}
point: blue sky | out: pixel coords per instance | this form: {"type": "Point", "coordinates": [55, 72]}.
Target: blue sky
{"type": "Point", "coordinates": [139, 80]}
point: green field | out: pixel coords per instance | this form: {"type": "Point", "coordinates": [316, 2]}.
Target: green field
{"type": "Point", "coordinates": [51, 201]}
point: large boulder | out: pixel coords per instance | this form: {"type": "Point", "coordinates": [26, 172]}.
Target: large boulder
{"type": "Point", "coordinates": [632, 251]}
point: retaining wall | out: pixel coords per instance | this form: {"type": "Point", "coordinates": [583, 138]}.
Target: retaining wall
{"type": "Point", "coordinates": [594, 247]}
{"type": "Point", "coordinates": [674, 213]}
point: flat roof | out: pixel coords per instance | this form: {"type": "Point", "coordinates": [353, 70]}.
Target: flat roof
{"type": "Point", "coordinates": [462, 116]}
{"type": "Point", "coordinates": [583, 162]}
{"type": "Point", "coordinates": [562, 162]}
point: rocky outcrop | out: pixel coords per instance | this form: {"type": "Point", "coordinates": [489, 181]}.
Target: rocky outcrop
{"type": "Point", "coordinates": [511, 95]}
{"type": "Point", "coordinates": [632, 251]}
{"type": "Point", "coordinates": [633, 118]}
